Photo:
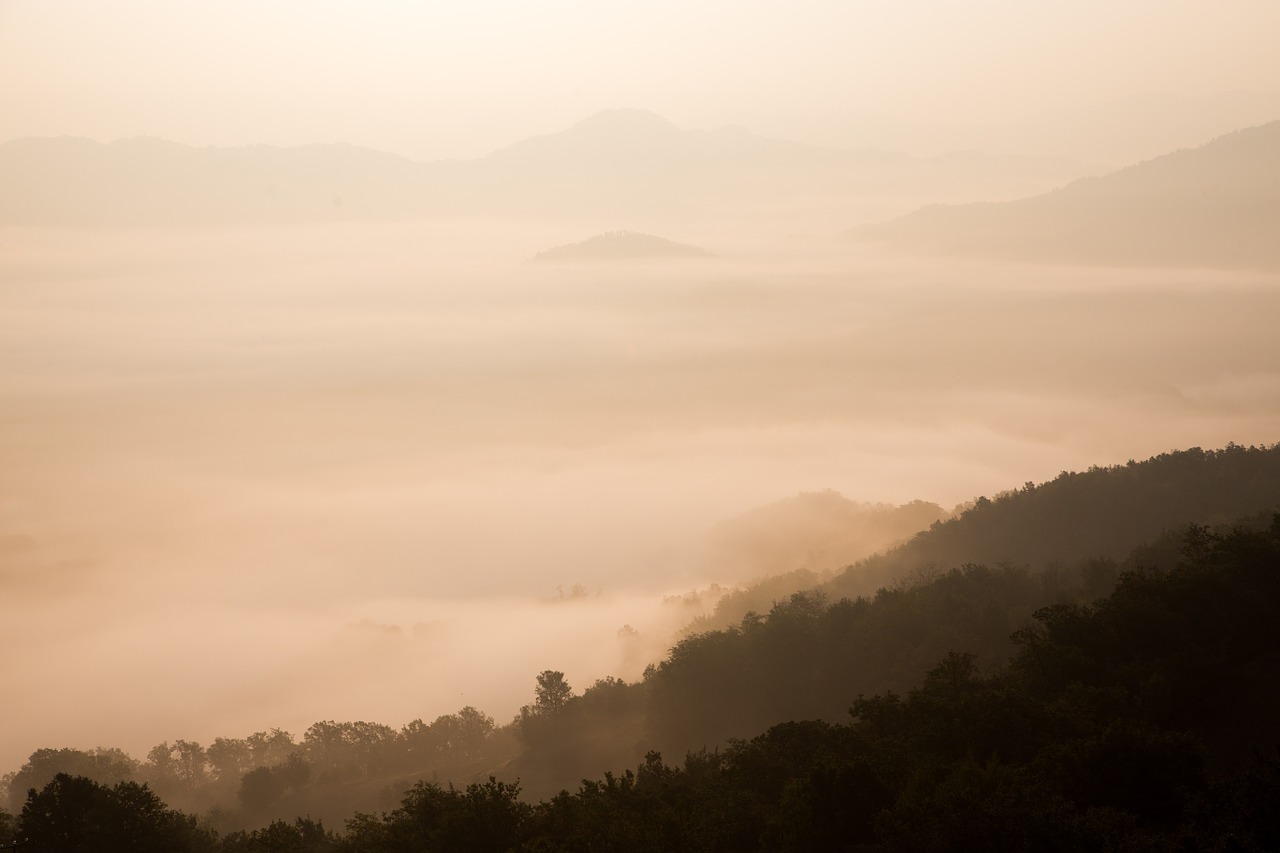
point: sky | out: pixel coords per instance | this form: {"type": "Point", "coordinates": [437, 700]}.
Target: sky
{"type": "Point", "coordinates": [432, 79]}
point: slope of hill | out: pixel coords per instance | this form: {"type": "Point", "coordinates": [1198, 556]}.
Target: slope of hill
{"type": "Point", "coordinates": [1099, 513]}
{"type": "Point", "coordinates": [70, 181]}
{"type": "Point", "coordinates": [633, 161]}
{"type": "Point", "coordinates": [621, 246]}
{"type": "Point", "coordinates": [816, 530]}
{"type": "Point", "coordinates": [1217, 205]}
{"type": "Point", "coordinates": [1102, 513]}
{"type": "Point", "coordinates": [1148, 714]}
{"type": "Point", "coordinates": [1128, 129]}
{"type": "Point", "coordinates": [969, 583]}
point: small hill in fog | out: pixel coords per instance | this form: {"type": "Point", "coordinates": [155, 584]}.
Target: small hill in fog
{"type": "Point", "coordinates": [1216, 206]}
{"type": "Point", "coordinates": [820, 531]}
{"type": "Point", "coordinates": [621, 246]}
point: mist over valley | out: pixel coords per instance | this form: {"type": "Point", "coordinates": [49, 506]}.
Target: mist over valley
{"type": "Point", "coordinates": [456, 428]}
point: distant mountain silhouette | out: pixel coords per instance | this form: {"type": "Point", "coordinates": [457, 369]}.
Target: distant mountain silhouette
{"type": "Point", "coordinates": [1117, 132]}
{"type": "Point", "coordinates": [615, 129]}
{"type": "Point", "coordinates": [65, 180]}
{"type": "Point", "coordinates": [621, 245]}
{"type": "Point", "coordinates": [613, 164]}
{"type": "Point", "coordinates": [1217, 205]}
{"type": "Point", "coordinates": [633, 161]}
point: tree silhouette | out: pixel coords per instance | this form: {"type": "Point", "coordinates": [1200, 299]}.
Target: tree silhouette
{"type": "Point", "coordinates": [73, 814]}
{"type": "Point", "coordinates": [551, 692]}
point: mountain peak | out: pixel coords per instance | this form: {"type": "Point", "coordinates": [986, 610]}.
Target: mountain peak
{"type": "Point", "coordinates": [611, 130]}
{"type": "Point", "coordinates": [621, 245]}
{"type": "Point", "coordinates": [625, 120]}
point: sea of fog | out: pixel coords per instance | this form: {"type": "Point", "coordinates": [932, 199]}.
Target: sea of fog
{"type": "Point", "coordinates": [260, 477]}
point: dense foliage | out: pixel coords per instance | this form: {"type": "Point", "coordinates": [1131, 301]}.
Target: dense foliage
{"type": "Point", "coordinates": [332, 768]}
{"type": "Point", "coordinates": [1077, 518]}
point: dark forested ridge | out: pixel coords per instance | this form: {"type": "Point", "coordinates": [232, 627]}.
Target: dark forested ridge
{"type": "Point", "coordinates": [1104, 513]}
{"type": "Point", "coordinates": [1092, 694]}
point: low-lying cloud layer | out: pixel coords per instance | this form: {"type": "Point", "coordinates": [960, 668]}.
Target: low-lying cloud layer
{"type": "Point", "coordinates": [261, 477]}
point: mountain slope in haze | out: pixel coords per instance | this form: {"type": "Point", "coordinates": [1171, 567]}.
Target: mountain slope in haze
{"type": "Point", "coordinates": [1100, 514]}
{"type": "Point", "coordinates": [969, 584]}
{"type": "Point", "coordinates": [820, 531]}
{"type": "Point", "coordinates": [1104, 512]}
{"type": "Point", "coordinates": [145, 181]}
{"type": "Point", "coordinates": [972, 581]}
{"type": "Point", "coordinates": [1137, 127]}
{"type": "Point", "coordinates": [1145, 719]}
{"type": "Point", "coordinates": [613, 164]}
{"type": "Point", "coordinates": [1217, 205]}
{"type": "Point", "coordinates": [621, 246]}
{"type": "Point", "coordinates": [632, 161]}
{"type": "Point", "coordinates": [812, 656]}
{"type": "Point", "coordinates": [1118, 132]}
{"type": "Point", "coordinates": [794, 544]}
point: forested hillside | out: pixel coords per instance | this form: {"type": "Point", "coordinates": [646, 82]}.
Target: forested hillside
{"type": "Point", "coordinates": [1173, 663]}
{"type": "Point", "coordinates": [1103, 513]}
{"type": "Point", "coordinates": [1146, 720]}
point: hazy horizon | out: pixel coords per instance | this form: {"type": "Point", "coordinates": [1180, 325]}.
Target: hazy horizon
{"type": "Point", "coordinates": [1131, 130]}
{"type": "Point", "coordinates": [459, 82]}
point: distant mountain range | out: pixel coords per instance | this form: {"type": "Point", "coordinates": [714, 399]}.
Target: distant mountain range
{"type": "Point", "coordinates": [620, 246]}
{"type": "Point", "coordinates": [1217, 205]}
{"type": "Point", "coordinates": [1118, 132]}
{"type": "Point", "coordinates": [616, 162]}
{"type": "Point", "coordinates": [71, 181]}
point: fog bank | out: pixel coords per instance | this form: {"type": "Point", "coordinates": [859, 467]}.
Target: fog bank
{"type": "Point", "coordinates": [259, 477]}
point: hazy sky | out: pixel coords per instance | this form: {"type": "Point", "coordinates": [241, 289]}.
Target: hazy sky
{"type": "Point", "coordinates": [432, 79]}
